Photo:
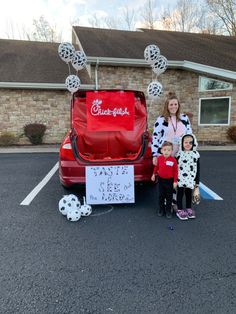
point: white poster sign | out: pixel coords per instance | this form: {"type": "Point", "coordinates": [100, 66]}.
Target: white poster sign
{"type": "Point", "coordinates": [109, 184]}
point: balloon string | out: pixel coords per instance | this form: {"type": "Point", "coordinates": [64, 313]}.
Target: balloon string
{"type": "Point", "coordinates": [69, 68]}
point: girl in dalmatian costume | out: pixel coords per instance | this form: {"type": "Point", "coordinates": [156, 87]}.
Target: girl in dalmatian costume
{"type": "Point", "coordinates": [188, 159]}
{"type": "Point", "coordinates": [170, 126]}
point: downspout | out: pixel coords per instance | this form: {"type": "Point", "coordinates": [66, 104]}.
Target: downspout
{"type": "Point", "coordinates": [96, 74]}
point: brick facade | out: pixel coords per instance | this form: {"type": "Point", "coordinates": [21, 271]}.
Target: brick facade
{"type": "Point", "coordinates": [19, 107]}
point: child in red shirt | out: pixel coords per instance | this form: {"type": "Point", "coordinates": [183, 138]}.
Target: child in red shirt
{"type": "Point", "coordinates": [167, 172]}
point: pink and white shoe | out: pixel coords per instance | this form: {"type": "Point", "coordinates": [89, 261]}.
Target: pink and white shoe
{"type": "Point", "coordinates": [181, 214]}
{"type": "Point", "coordinates": [190, 213]}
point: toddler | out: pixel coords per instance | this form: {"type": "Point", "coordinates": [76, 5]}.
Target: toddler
{"type": "Point", "coordinates": [188, 160]}
{"type": "Point", "coordinates": [167, 172]}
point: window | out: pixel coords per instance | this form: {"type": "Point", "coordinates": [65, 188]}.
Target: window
{"type": "Point", "coordinates": [214, 111]}
{"type": "Point", "coordinates": [207, 84]}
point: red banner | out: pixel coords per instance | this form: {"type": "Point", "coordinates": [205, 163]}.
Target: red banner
{"type": "Point", "coordinates": [110, 111]}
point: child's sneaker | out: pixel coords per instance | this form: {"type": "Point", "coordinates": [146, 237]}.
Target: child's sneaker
{"type": "Point", "coordinates": [181, 214]}
{"type": "Point", "coordinates": [190, 213]}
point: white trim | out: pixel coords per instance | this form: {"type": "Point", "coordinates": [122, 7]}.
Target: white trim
{"type": "Point", "coordinates": [187, 65]}
{"type": "Point", "coordinates": [212, 90]}
{"type": "Point", "coordinates": [40, 85]}
{"type": "Point", "coordinates": [211, 124]}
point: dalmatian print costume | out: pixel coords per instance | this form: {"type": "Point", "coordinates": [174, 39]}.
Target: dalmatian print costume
{"type": "Point", "coordinates": [187, 164]}
{"type": "Point", "coordinates": [160, 130]}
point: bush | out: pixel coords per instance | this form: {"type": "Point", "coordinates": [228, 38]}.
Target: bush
{"type": "Point", "coordinates": [7, 139]}
{"type": "Point", "coordinates": [35, 132]}
{"type": "Point", "coordinates": [231, 133]}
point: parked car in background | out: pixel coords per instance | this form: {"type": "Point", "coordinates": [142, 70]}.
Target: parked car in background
{"type": "Point", "coordinates": [108, 127]}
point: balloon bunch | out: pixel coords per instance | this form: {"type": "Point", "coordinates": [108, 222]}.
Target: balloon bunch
{"type": "Point", "coordinates": [159, 65]}
{"type": "Point", "coordinates": [78, 60]}
{"type": "Point", "coordinates": [71, 207]}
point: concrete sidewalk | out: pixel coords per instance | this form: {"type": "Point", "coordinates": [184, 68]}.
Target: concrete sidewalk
{"type": "Point", "coordinates": [55, 148]}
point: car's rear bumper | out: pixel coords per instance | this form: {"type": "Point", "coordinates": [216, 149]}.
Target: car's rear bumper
{"type": "Point", "coordinates": [73, 172]}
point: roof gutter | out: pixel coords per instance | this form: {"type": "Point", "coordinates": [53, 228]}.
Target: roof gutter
{"type": "Point", "coordinates": [186, 65]}
{"type": "Point", "coordinates": [49, 86]}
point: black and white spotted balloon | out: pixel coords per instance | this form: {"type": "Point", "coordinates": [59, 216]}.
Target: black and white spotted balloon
{"type": "Point", "coordinates": [66, 52]}
{"type": "Point", "coordinates": [160, 65]}
{"type": "Point", "coordinates": [151, 53]}
{"type": "Point", "coordinates": [154, 90]}
{"type": "Point", "coordinates": [79, 60]}
{"type": "Point", "coordinates": [72, 83]}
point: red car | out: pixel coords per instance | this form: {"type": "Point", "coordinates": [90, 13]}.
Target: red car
{"type": "Point", "coordinates": [108, 127]}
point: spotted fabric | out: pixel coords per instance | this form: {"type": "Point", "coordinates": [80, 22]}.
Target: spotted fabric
{"type": "Point", "coordinates": [160, 132]}
{"type": "Point", "coordinates": [187, 164]}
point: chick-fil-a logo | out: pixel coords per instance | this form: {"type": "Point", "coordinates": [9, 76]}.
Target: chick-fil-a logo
{"type": "Point", "coordinates": [96, 110]}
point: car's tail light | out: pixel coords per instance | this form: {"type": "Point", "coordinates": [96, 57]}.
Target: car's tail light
{"type": "Point", "coordinates": [148, 153]}
{"type": "Point", "coordinates": [66, 152]}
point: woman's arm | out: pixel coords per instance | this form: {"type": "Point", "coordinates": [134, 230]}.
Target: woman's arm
{"type": "Point", "coordinates": [185, 120]}
{"type": "Point", "coordinates": [197, 178]}
{"type": "Point", "coordinates": [158, 135]}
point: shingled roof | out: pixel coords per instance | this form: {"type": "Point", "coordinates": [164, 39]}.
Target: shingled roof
{"type": "Point", "coordinates": [33, 62]}
{"type": "Point", "coordinates": [205, 49]}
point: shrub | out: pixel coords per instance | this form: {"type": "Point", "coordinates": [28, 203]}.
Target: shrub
{"type": "Point", "coordinates": [7, 139]}
{"type": "Point", "coordinates": [231, 133]}
{"type": "Point", "coordinates": [35, 132]}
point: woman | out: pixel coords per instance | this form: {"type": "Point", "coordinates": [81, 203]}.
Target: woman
{"type": "Point", "coordinates": [170, 126]}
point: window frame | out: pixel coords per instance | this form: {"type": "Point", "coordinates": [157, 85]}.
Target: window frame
{"type": "Point", "coordinates": [213, 124]}
{"type": "Point", "coordinates": [212, 90]}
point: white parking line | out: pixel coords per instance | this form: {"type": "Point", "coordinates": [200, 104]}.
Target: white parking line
{"type": "Point", "coordinates": [39, 187]}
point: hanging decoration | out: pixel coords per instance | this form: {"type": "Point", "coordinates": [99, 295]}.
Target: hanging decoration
{"type": "Point", "coordinates": [151, 53]}
{"type": "Point", "coordinates": [72, 83]}
{"type": "Point", "coordinates": [79, 60]}
{"type": "Point", "coordinates": [66, 52]}
{"type": "Point", "coordinates": [158, 65]}
{"type": "Point", "coordinates": [154, 90]}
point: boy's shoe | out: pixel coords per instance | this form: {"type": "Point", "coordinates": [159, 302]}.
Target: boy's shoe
{"type": "Point", "coordinates": [181, 214]}
{"type": "Point", "coordinates": [160, 212]}
{"type": "Point", "coordinates": [168, 214]}
{"type": "Point", "coordinates": [190, 213]}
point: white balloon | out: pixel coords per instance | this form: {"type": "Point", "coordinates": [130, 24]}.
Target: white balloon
{"type": "Point", "coordinates": [72, 83]}
{"type": "Point", "coordinates": [160, 65]}
{"type": "Point", "coordinates": [79, 60]}
{"type": "Point", "coordinates": [151, 53]}
{"type": "Point", "coordinates": [62, 205]}
{"type": "Point", "coordinates": [73, 215]}
{"type": "Point", "coordinates": [85, 209]}
{"type": "Point", "coordinates": [154, 90]}
{"type": "Point", "coordinates": [66, 51]}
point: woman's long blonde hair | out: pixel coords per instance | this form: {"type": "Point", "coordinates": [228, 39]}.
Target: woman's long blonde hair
{"type": "Point", "coordinates": [165, 111]}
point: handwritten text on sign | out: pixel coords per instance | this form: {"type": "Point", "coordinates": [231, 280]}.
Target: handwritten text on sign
{"type": "Point", "coordinates": [109, 184]}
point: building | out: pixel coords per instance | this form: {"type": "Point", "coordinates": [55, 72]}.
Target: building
{"type": "Point", "coordinates": [201, 70]}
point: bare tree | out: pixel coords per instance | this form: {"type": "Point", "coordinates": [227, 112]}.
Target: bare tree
{"type": "Point", "coordinates": [43, 31]}
{"type": "Point", "coordinates": [149, 15]}
{"type": "Point", "coordinates": [186, 16]}
{"type": "Point", "coordinates": [129, 18]}
{"type": "Point", "coordinates": [95, 21]}
{"type": "Point", "coordinates": [225, 11]}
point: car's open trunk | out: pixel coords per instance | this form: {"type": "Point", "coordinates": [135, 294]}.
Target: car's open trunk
{"type": "Point", "coordinates": [109, 145]}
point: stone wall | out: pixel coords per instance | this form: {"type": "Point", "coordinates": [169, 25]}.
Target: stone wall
{"type": "Point", "coordinates": [19, 107]}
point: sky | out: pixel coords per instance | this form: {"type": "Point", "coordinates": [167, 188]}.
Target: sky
{"type": "Point", "coordinates": [16, 16]}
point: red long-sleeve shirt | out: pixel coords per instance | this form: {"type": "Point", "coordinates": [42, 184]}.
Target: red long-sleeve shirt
{"type": "Point", "coordinates": [166, 168]}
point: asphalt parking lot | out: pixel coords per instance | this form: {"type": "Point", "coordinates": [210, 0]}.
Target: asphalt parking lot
{"type": "Point", "coordinates": [123, 258]}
